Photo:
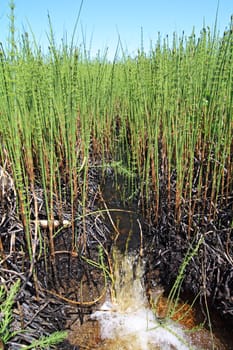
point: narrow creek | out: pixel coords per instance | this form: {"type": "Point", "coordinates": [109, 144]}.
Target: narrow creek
{"type": "Point", "coordinates": [133, 316]}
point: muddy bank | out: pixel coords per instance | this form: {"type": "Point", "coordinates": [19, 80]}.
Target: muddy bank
{"type": "Point", "coordinates": [210, 272]}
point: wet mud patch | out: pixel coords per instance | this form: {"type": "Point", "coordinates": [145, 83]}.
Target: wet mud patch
{"type": "Point", "coordinates": [71, 277]}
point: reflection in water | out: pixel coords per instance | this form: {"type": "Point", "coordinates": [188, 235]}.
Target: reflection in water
{"type": "Point", "coordinates": [127, 322]}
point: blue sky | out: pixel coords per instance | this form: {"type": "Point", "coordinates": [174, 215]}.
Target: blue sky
{"type": "Point", "coordinates": [101, 21]}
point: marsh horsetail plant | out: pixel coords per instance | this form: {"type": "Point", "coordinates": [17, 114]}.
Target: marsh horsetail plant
{"type": "Point", "coordinates": [163, 119]}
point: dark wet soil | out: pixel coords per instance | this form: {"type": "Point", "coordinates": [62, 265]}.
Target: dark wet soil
{"type": "Point", "coordinates": [67, 286]}
{"type": "Point", "coordinates": [165, 250]}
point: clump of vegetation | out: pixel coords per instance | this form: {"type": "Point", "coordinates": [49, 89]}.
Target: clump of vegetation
{"type": "Point", "coordinates": [164, 114]}
{"type": "Point", "coordinates": [7, 300]}
{"type": "Point", "coordinates": [6, 305]}
{"type": "Point", "coordinates": [162, 118]}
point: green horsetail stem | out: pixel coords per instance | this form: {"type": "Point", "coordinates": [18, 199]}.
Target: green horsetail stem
{"type": "Point", "coordinates": [162, 116]}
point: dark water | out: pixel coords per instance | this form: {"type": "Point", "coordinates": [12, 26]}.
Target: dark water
{"type": "Point", "coordinates": [123, 219]}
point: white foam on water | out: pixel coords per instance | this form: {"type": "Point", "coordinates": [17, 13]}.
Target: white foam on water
{"type": "Point", "coordinates": [143, 325]}
{"type": "Point", "coordinates": [129, 316]}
